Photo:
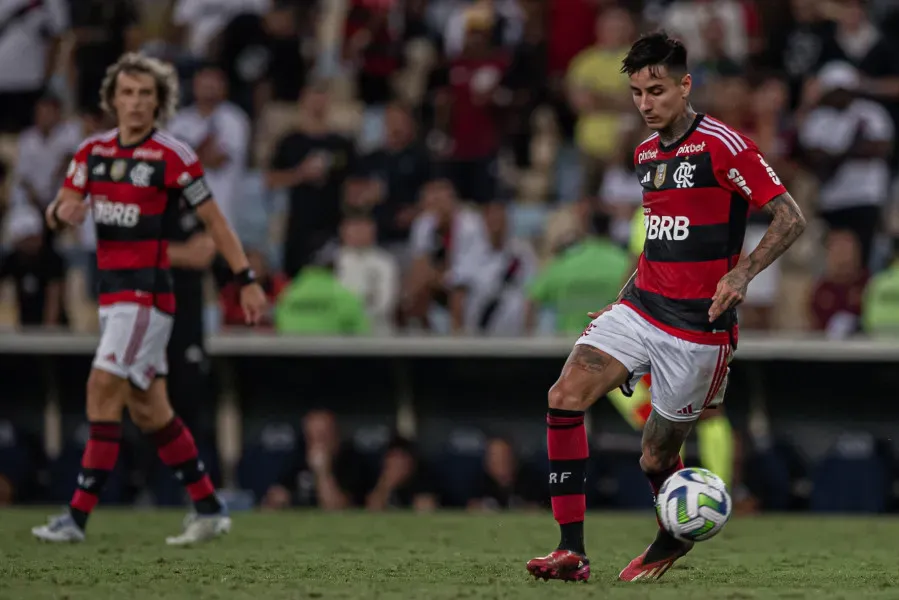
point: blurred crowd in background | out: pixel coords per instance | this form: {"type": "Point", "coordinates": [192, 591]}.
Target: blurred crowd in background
{"type": "Point", "coordinates": [458, 166]}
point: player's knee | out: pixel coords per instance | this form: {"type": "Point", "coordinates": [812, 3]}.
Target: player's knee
{"type": "Point", "coordinates": [561, 397]}
{"type": "Point", "coordinates": [105, 396]}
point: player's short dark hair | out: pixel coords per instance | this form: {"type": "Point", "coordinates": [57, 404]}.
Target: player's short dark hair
{"type": "Point", "coordinates": [655, 50]}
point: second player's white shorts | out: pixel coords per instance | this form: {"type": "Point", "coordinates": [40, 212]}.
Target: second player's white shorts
{"type": "Point", "coordinates": [686, 376]}
{"type": "Point", "coordinates": [133, 340]}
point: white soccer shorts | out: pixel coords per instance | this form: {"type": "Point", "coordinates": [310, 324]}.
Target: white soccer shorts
{"type": "Point", "coordinates": [686, 377]}
{"type": "Point", "coordinates": [133, 340]}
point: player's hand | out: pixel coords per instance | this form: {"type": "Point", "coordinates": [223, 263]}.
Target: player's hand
{"type": "Point", "coordinates": [67, 212]}
{"type": "Point", "coordinates": [731, 292]}
{"type": "Point", "coordinates": [253, 302]}
{"type": "Point", "coordinates": [595, 314]}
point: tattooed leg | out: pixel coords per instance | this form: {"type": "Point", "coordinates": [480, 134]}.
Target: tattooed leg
{"type": "Point", "coordinates": [662, 441]}
{"type": "Point", "coordinates": [588, 374]}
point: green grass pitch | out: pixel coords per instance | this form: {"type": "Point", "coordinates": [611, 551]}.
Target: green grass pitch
{"type": "Point", "coordinates": [442, 556]}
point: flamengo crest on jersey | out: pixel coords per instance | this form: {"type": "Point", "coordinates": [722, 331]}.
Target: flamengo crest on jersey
{"type": "Point", "coordinates": [696, 198]}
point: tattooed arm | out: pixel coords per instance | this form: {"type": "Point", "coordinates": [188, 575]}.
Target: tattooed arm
{"type": "Point", "coordinates": [787, 225]}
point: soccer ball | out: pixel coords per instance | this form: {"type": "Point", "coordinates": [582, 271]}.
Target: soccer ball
{"type": "Point", "coordinates": [693, 505]}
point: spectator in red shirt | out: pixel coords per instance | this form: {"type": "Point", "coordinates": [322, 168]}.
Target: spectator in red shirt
{"type": "Point", "coordinates": [571, 29]}
{"type": "Point", "coordinates": [836, 304]}
{"type": "Point", "coordinates": [272, 283]}
{"type": "Point", "coordinates": [467, 110]}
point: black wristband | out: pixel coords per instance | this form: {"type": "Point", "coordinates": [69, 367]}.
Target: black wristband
{"type": "Point", "coordinates": [245, 277]}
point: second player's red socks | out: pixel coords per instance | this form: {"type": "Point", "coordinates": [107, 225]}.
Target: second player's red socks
{"type": "Point", "coordinates": [658, 479]}
{"type": "Point", "coordinates": [97, 462]}
{"type": "Point", "coordinates": [178, 451]}
{"type": "Point", "coordinates": [566, 442]}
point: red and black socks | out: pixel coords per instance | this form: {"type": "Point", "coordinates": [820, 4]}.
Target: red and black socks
{"type": "Point", "coordinates": [566, 441]}
{"type": "Point", "coordinates": [97, 462]}
{"type": "Point", "coordinates": [177, 449]}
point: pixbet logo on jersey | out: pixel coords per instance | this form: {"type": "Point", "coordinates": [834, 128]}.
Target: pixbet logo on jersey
{"type": "Point", "coordinates": [691, 149]}
{"type": "Point", "coordinates": [666, 228]}
{"type": "Point", "coordinates": [647, 155]}
{"type": "Point", "coordinates": [115, 213]}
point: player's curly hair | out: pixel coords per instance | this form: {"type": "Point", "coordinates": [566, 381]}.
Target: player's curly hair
{"type": "Point", "coordinates": [163, 73]}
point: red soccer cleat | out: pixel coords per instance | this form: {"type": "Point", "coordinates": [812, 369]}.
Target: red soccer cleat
{"type": "Point", "coordinates": [564, 565]}
{"type": "Point", "coordinates": [654, 562]}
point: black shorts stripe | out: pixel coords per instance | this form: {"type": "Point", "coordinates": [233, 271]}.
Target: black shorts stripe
{"type": "Point", "coordinates": [148, 228]}
{"type": "Point", "coordinates": [703, 243]}
{"type": "Point", "coordinates": [692, 315]}
{"type": "Point", "coordinates": [154, 281]}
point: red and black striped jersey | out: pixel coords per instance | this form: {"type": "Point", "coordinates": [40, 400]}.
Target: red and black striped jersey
{"type": "Point", "coordinates": [696, 197]}
{"type": "Point", "coordinates": [134, 192]}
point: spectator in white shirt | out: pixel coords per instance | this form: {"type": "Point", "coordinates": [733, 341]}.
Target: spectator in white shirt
{"type": "Point", "coordinates": [43, 154]}
{"type": "Point", "coordinates": [371, 272]}
{"type": "Point", "coordinates": [847, 141]}
{"type": "Point", "coordinates": [203, 20]}
{"type": "Point", "coordinates": [448, 243]}
{"type": "Point", "coordinates": [496, 303]}
{"type": "Point", "coordinates": [219, 131]}
{"type": "Point", "coordinates": [29, 38]}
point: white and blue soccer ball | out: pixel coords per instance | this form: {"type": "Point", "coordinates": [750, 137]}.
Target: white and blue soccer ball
{"type": "Point", "coordinates": [693, 505]}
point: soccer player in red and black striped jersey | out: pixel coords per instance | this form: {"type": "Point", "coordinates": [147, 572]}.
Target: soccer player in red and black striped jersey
{"type": "Point", "coordinates": [132, 179]}
{"type": "Point", "coordinates": [676, 318]}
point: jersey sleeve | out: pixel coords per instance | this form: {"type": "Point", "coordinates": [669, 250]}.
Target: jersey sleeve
{"type": "Point", "coordinates": [747, 173]}
{"type": "Point", "coordinates": [76, 174]}
{"type": "Point", "coordinates": [186, 174]}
